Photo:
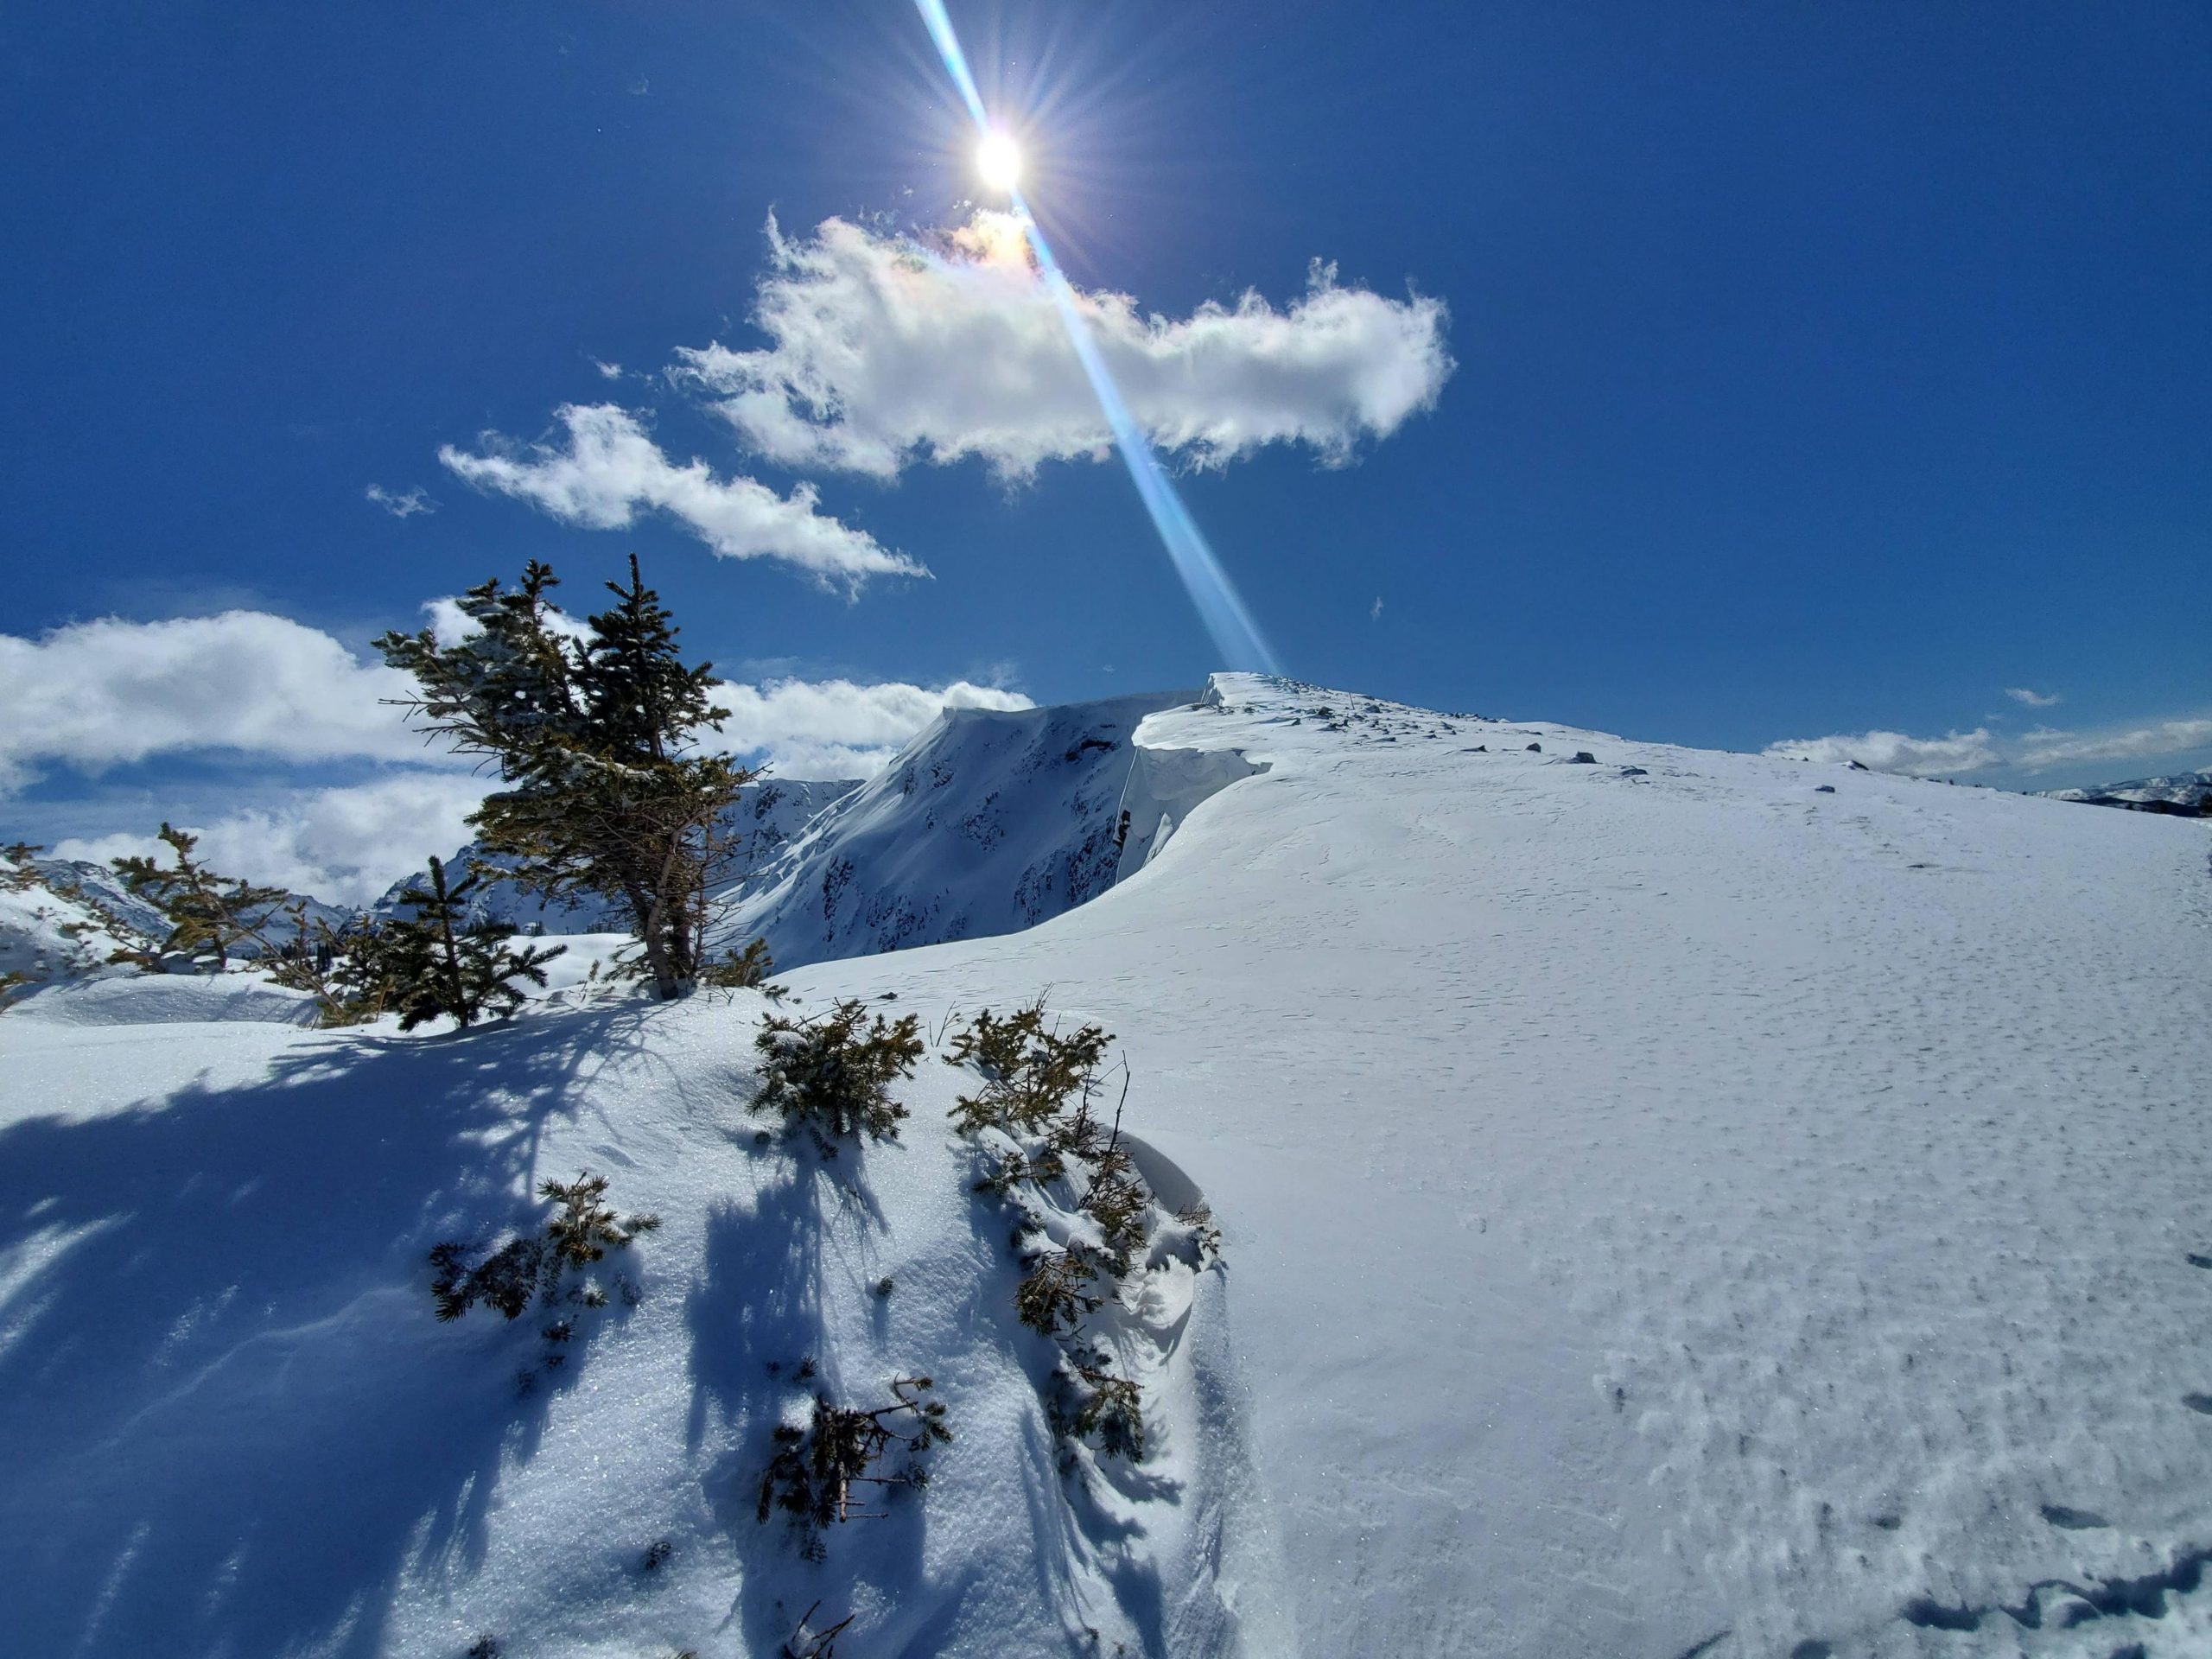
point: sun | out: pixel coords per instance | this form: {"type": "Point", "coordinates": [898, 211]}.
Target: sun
{"type": "Point", "coordinates": [998, 162]}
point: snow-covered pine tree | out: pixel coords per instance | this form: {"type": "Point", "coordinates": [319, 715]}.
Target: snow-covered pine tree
{"type": "Point", "coordinates": [594, 737]}
{"type": "Point", "coordinates": [437, 962]}
{"type": "Point", "coordinates": [205, 911]}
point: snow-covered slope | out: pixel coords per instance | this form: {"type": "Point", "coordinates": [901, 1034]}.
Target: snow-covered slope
{"type": "Point", "coordinates": [1674, 1203]}
{"type": "Point", "coordinates": [2186, 792]}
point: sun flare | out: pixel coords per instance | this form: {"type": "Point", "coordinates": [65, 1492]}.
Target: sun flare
{"type": "Point", "coordinates": [998, 162]}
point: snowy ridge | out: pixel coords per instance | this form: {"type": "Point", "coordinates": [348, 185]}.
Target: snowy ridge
{"type": "Point", "coordinates": [1673, 1201]}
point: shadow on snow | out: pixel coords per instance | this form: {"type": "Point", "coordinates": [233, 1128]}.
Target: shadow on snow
{"type": "Point", "coordinates": [232, 1418]}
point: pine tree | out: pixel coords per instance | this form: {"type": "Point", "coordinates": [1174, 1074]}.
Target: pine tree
{"type": "Point", "coordinates": [437, 963]}
{"type": "Point", "coordinates": [594, 739]}
{"type": "Point", "coordinates": [205, 911]}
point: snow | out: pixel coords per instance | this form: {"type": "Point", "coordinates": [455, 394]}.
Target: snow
{"type": "Point", "coordinates": [1667, 1207]}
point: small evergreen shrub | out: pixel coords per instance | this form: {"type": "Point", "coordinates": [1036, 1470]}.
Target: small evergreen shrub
{"type": "Point", "coordinates": [1096, 1404]}
{"type": "Point", "coordinates": [1059, 1289]}
{"type": "Point", "coordinates": [1036, 1091]}
{"type": "Point", "coordinates": [580, 1232]}
{"type": "Point", "coordinates": [811, 1477]}
{"type": "Point", "coordinates": [439, 963]}
{"type": "Point", "coordinates": [1029, 1072]}
{"type": "Point", "coordinates": [744, 970]}
{"type": "Point", "coordinates": [832, 1073]}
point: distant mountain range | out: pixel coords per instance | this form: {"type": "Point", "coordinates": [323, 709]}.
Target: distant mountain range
{"type": "Point", "coordinates": [2184, 795]}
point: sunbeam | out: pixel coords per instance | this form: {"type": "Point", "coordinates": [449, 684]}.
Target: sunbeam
{"type": "Point", "coordinates": [1236, 636]}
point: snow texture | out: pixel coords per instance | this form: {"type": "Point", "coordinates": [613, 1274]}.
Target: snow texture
{"type": "Point", "coordinates": [1669, 1209]}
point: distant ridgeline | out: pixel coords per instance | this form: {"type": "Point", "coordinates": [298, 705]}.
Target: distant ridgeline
{"type": "Point", "coordinates": [64, 919]}
{"type": "Point", "coordinates": [2184, 795]}
{"type": "Point", "coordinates": [989, 822]}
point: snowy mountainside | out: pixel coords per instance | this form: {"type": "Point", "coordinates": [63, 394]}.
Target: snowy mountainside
{"type": "Point", "coordinates": [2187, 791]}
{"type": "Point", "coordinates": [1673, 1201]}
{"type": "Point", "coordinates": [50, 931]}
{"type": "Point", "coordinates": [60, 919]}
{"type": "Point", "coordinates": [987, 822]}
{"type": "Point", "coordinates": [768, 813]}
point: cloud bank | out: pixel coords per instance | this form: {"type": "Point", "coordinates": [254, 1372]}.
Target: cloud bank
{"type": "Point", "coordinates": [100, 694]}
{"type": "Point", "coordinates": [1917, 757]}
{"type": "Point", "coordinates": [888, 351]}
{"type": "Point", "coordinates": [95, 696]}
{"type": "Point", "coordinates": [840, 728]}
{"type": "Point", "coordinates": [345, 845]}
{"type": "Point", "coordinates": [2041, 750]}
{"type": "Point", "coordinates": [606, 470]}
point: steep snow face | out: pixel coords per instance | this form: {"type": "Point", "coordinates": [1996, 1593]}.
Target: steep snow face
{"type": "Point", "coordinates": [988, 823]}
{"type": "Point", "coordinates": [1673, 1202]}
{"type": "Point", "coordinates": [767, 815]}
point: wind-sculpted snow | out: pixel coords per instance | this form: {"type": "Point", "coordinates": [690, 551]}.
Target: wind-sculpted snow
{"type": "Point", "coordinates": [1672, 1203]}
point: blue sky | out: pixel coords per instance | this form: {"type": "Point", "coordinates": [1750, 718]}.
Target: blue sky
{"type": "Point", "coordinates": [1814, 371]}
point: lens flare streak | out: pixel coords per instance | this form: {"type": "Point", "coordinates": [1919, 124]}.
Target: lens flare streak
{"type": "Point", "coordinates": [1235, 634]}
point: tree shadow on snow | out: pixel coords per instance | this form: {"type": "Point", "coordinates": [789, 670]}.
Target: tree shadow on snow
{"type": "Point", "coordinates": [232, 1418]}
{"type": "Point", "coordinates": [759, 1353]}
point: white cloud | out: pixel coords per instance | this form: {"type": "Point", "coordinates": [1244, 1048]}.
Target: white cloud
{"type": "Point", "coordinates": [607, 371]}
{"type": "Point", "coordinates": [2042, 750]}
{"type": "Point", "coordinates": [2033, 699]}
{"type": "Point", "coordinates": [345, 845]}
{"type": "Point", "coordinates": [1375, 611]}
{"type": "Point", "coordinates": [94, 695]}
{"type": "Point", "coordinates": [608, 469]}
{"type": "Point", "coordinates": [838, 728]}
{"type": "Point", "coordinates": [401, 504]}
{"type": "Point", "coordinates": [2038, 751]}
{"type": "Point", "coordinates": [887, 351]}
{"type": "Point", "coordinates": [1919, 757]}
